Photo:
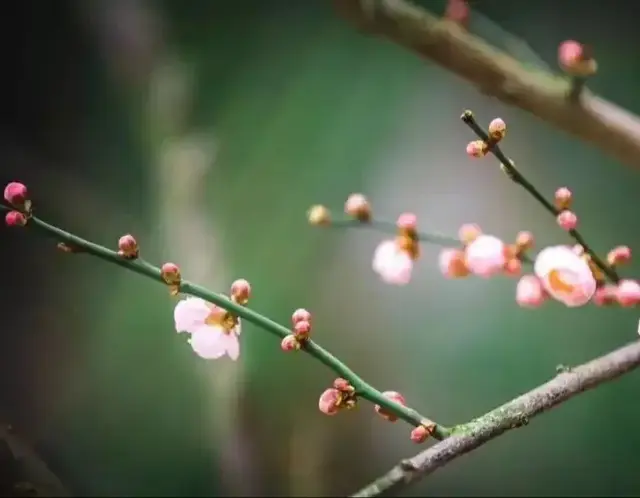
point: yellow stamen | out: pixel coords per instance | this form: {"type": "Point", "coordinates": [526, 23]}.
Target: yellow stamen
{"type": "Point", "coordinates": [558, 284]}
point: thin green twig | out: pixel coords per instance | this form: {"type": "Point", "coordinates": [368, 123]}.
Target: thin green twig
{"type": "Point", "coordinates": [514, 174]}
{"type": "Point", "coordinates": [142, 267]}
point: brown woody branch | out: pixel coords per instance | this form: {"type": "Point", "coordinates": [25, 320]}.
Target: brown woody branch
{"type": "Point", "coordinates": [591, 118]}
{"type": "Point", "coordinates": [516, 413]}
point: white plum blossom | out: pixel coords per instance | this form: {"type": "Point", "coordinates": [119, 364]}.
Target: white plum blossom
{"type": "Point", "coordinates": [211, 336]}
{"type": "Point", "coordinates": [485, 256]}
{"type": "Point", "coordinates": [392, 263]}
{"type": "Point", "coordinates": [565, 276]}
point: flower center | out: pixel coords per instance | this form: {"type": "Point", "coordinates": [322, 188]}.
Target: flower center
{"type": "Point", "coordinates": [219, 317]}
{"type": "Point", "coordinates": [558, 282]}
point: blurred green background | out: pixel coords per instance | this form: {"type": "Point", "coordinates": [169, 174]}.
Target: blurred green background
{"type": "Point", "coordinates": [207, 128]}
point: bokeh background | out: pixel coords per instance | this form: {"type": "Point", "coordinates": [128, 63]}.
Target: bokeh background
{"type": "Point", "coordinates": [207, 128]}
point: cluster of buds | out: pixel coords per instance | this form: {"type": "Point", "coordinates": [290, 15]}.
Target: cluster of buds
{"type": "Point", "coordinates": [567, 219]}
{"type": "Point", "coordinates": [170, 274]}
{"type": "Point", "coordinates": [393, 259]}
{"type": "Point", "coordinates": [625, 293]}
{"type": "Point", "coordinates": [484, 255]}
{"type": "Point", "coordinates": [301, 330]}
{"type": "Point", "coordinates": [480, 148]}
{"type": "Point", "coordinates": [17, 196]}
{"type": "Point", "coordinates": [341, 395]}
{"type": "Point", "coordinates": [576, 59]}
{"type": "Point", "coordinates": [357, 206]}
{"type": "Point", "coordinates": [128, 247]}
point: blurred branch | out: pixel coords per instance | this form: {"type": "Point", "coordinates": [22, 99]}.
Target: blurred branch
{"type": "Point", "coordinates": [547, 96]}
{"type": "Point", "coordinates": [516, 413]}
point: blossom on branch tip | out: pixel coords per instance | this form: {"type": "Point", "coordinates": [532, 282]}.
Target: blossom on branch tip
{"type": "Point", "coordinates": [452, 263]}
{"type": "Point", "coordinates": [477, 148]}
{"type": "Point", "coordinates": [15, 219]}
{"type": "Point", "coordinates": [497, 130]}
{"type": "Point", "coordinates": [392, 263]}
{"type": "Point", "coordinates": [529, 292]}
{"type": "Point", "coordinates": [574, 58]}
{"type": "Point", "coordinates": [319, 215]}
{"type": "Point", "coordinates": [241, 291]}
{"type": "Point", "coordinates": [128, 247]}
{"type": "Point", "coordinates": [214, 331]}
{"type": "Point", "coordinates": [485, 256]}
{"type": "Point", "coordinates": [628, 293]}
{"type": "Point", "coordinates": [567, 220]}
{"type": "Point", "coordinates": [619, 255]}
{"type": "Point", "coordinates": [16, 194]}
{"type": "Point", "coordinates": [358, 207]}
{"type": "Point", "coordinates": [563, 198]}
{"type": "Point", "coordinates": [565, 276]}
{"type": "Point", "coordinates": [383, 412]}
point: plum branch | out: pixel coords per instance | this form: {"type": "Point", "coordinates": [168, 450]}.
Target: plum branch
{"type": "Point", "coordinates": [516, 413]}
{"type": "Point", "coordinates": [354, 384]}
{"type": "Point", "coordinates": [552, 98]}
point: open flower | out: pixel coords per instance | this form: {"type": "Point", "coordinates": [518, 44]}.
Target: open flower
{"type": "Point", "coordinates": [485, 256]}
{"type": "Point", "coordinates": [392, 263]}
{"type": "Point", "coordinates": [214, 332]}
{"type": "Point", "coordinates": [565, 276]}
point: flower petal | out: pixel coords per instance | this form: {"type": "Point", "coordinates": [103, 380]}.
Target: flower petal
{"type": "Point", "coordinates": [190, 314]}
{"type": "Point", "coordinates": [565, 275]}
{"type": "Point", "coordinates": [485, 256]}
{"type": "Point", "coordinates": [392, 263]}
{"type": "Point", "coordinates": [209, 342]}
{"type": "Point", "coordinates": [232, 346]}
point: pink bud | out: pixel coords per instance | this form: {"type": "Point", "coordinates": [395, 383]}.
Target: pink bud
{"type": "Point", "coordinates": [497, 129]}
{"type": "Point", "coordinates": [452, 264]}
{"type": "Point", "coordinates": [290, 343]}
{"type": "Point", "coordinates": [170, 273]}
{"type": "Point", "coordinates": [628, 293]}
{"type": "Point", "coordinates": [513, 267]}
{"type": "Point", "coordinates": [469, 232]}
{"type": "Point", "coordinates": [342, 385]}
{"type": "Point", "coordinates": [407, 222]}
{"type": "Point", "coordinates": [529, 292]}
{"type": "Point", "coordinates": [329, 402]}
{"type": "Point", "coordinates": [420, 434]}
{"type": "Point", "coordinates": [358, 207]}
{"type": "Point", "coordinates": [300, 315]}
{"type": "Point", "coordinates": [241, 291]}
{"type": "Point", "coordinates": [15, 219]}
{"type": "Point", "coordinates": [128, 247]}
{"type": "Point", "coordinates": [15, 193]}
{"type": "Point", "coordinates": [574, 58]}
{"type": "Point", "coordinates": [619, 255]}
{"type": "Point", "coordinates": [567, 220]}
{"type": "Point", "coordinates": [607, 294]}
{"type": "Point", "coordinates": [302, 329]}
{"type": "Point", "coordinates": [393, 396]}
{"type": "Point", "coordinates": [476, 148]}
{"type": "Point", "coordinates": [563, 198]}
{"type": "Point", "coordinates": [524, 240]}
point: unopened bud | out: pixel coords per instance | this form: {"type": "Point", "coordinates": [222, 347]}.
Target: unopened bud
{"type": "Point", "coordinates": [319, 215]}
{"type": "Point", "coordinates": [128, 247]}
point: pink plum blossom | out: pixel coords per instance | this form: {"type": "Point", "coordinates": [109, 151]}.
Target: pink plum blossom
{"type": "Point", "coordinates": [210, 338]}
{"type": "Point", "coordinates": [529, 292]}
{"type": "Point", "coordinates": [485, 256]}
{"type": "Point", "coordinates": [567, 220]}
{"type": "Point", "coordinates": [628, 293]}
{"type": "Point", "coordinates": [565, 276]}
{"type": "Point", "coordinates": [393, 264]}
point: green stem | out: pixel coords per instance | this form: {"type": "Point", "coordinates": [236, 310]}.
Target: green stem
{"type": "Point", "coordinates": [146, 269]}
{"type": "Point", "coordinates": [391, 229]}
{"type": "Point", "coordinates": [517, 177]}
